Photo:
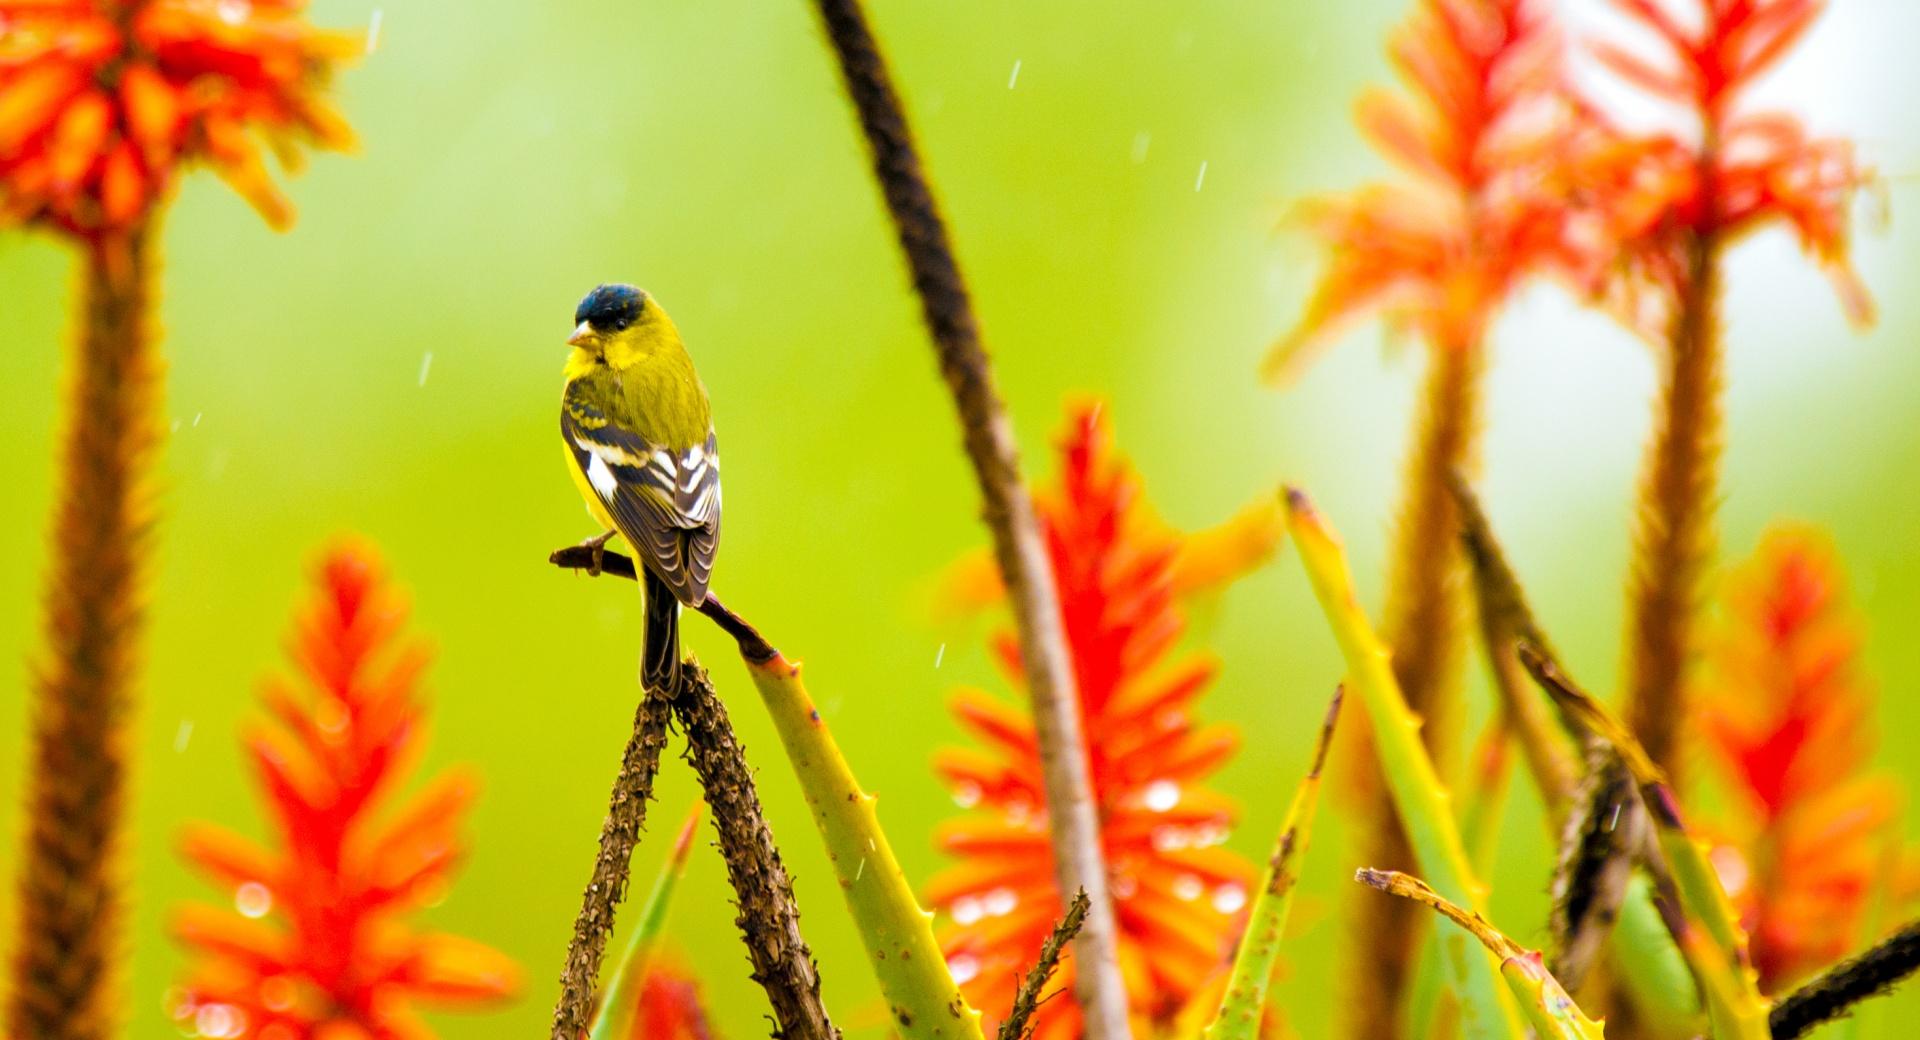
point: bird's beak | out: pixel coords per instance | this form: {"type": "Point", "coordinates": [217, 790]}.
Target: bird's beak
{"type": "Point", "coordinates": [583, 334]}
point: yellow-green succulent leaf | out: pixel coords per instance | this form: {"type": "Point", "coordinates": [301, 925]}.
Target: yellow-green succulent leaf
{"type": "Point", "coordinates": [1549, 1009]}
{"type": "Point", "coordinates": [1487, 1009]}
{"type": "Point", "coordinates": [923, 1001]}
{"type": "Point", "coordinates": [1244, 1002]}
{"type": "Point", "coordinates": [622, 997]}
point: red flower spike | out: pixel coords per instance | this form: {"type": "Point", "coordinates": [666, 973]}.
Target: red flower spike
{"type": "Point", "coordinates": [1176, 893]}
{"type": "Point", "coordinates": [1481, 134]}
{"type": "Point", "coordinates": [670, 1006]}
{"type": "Point", "coordinates": [103, 101]}
{"type": "Point", "coordinates": [318, 943]}
{"type": "Point", "coordinates": [1735, 172]}
{"type": "Point", "coordinates": [1790, 723]}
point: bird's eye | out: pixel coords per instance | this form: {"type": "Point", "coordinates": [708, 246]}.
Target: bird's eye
{"type": "Point", "coordinates": [620, 324]}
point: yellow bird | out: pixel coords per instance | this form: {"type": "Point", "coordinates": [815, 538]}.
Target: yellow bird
{"type": "Point", "coordinates": [638, 433]}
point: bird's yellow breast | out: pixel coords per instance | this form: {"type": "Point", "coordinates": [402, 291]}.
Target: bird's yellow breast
{"type": "Point", "coordinates": [594, 505]}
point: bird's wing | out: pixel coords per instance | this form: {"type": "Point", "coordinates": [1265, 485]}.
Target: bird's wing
{"type": "Point", "coordinates": [666, 503]}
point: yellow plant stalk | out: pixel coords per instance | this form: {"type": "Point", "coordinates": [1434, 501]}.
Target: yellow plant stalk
{"type": "Point", "coordinates": [1489, 779]}
{"type": "Point", "coordinates": [1245, 1000]}
{"type": "Point", "coordinates": [1486, 1008]}
{"type": "Point", "coordinates": [622, 998]}
{"type": "Point", "coordinates": [923, 1001]}
{"type": "Point", "coordinates": [1552, 1012]}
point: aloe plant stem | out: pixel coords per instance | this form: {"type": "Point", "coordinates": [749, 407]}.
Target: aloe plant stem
{"type": "Point", "coordinates": [68, 939]}
{"type": "Point", "coordinates": [619, 833]}
{"type": "Point", "coordinates": [1487, 1009]}
{"type": "Point", "coordinates": [1073, 817]}
{"type": "Point", "coordinates": [923, 1002]}
{"type": "Point", "coordinates": [1840, 987]}
{"type": "Point", "coordinates": [1423, 627]}
{"type": "Point", "coordinates": [1018, 1025]}
{"type": "Point", "coordinates": [621, 999]}
{"type": "Point", "coordinates": [1673, 539]}
{"type": "Point", "coordinates": [768, 918]}
{"type": "Point", "coordinates": [1244, 1004]}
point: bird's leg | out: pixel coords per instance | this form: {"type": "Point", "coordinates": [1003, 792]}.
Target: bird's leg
{"type": "Point", "coordinates": [598, 544]}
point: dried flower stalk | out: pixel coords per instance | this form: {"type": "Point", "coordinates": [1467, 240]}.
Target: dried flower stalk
{"type": "Point", "coordinates": [619, 833]}
{"type": "Point", "coordinates": [1018, 546]}
{"type": "Point", "coordinates": [65, 963]}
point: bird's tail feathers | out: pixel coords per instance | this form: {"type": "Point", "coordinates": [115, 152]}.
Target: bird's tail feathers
{"type": "Point", "coordinates": [660, 657]}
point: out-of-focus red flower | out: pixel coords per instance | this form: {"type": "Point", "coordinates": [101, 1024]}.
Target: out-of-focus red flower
{"type": "Point", "coordinates": [1176, 892]}
{"type": "Point", "coordinates": [1733, 171]}
{"type": "Point", "coordinates": [318, 944]}
{"type": "Point", "coordinates": [1483, 134]}
{"type": "Point", "coordinates": [670, 1006]}
{"type": "Point", "coordinates": [102, 102]}
{"type": "Point", "coordinates": [1789, 719]}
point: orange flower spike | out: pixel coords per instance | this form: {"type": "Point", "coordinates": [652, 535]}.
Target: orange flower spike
{"type": "Point", "coordinates": [1176, 893]}
{"type": "Point", "coordinates": [320, 937]}
{"type": "Point", "coordinates": [183, 81]}
{"type": "Point", "coordinates": [1763, 166]}
{"type": "Point", "coordinates": [1790, 722]}
{"type": "Point", "coordinates": [1483, 207]}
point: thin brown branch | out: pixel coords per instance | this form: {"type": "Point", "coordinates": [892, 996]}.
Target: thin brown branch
{"type": "Point", "coordinates": [1835, 992]}
{"type": "Point", "coordinates": [69, 941]}
{"type": "Point", "coordinates": [619, 833]}
{"type": "Point", "coordinates": [753, 646]}
{"type": "Point", "coordinates": [1018, 1025]}
{"type": "Point", "coordinates": [1072, 814]}
{"type": "Point", "coordinates": [1506, 618]}
{"type": "Point", "coordinates": [769, 919]}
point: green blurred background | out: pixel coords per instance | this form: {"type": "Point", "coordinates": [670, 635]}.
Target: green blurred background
{"type": "Point", "coordinates": [515, 154]}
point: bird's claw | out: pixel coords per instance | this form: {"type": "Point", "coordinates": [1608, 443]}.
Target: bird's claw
{"type": "Point", "coordinates": [597, 545]}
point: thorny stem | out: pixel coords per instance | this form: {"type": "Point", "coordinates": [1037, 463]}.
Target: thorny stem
{"type": "Point", "coordinates": [1423, 628]}
{"type": "Point", "coordinates": [1018, 1023]}
{"type": "Point", "coordinates": [1506, 618]}
{"type": "Point", "coordinates": [68, 936]}
{"type": "Point", "coordinates": [1673, 539]}
{"type": "Point", "coordinates": [1834, 993]}
{"type": "Point", "coordinates": [1072, 813]}
{"type": "Point", "coordinates": [769, 919]}
{"type": "Point", "coordinates": [619, 833]}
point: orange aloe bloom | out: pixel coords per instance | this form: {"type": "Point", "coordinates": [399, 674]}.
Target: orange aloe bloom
{"type": "Point", "coordinates": [1732, 171]}
{"type": "Point", "coordinates": [670, 1006]}
{"type": "Point", "coordinates": [1176, 892]}
{"type": "Point", "coordinates": [103, 101]}
{"type": "Point", "coordinates": [318, 944]}
{"type": "Point", "coordinates": [1791, 723]}
{"type": "Point", "coordinates": [1481, 136]}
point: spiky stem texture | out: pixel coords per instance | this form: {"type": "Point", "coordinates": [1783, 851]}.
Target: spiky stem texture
{"type": "Point", "coordinates": [1835, 992]}
{"type": "Point", "coordinates": [1018, 1025]}
{"type": "Point", "coordinates": [70, 904]}
{"type": "Point", "coordinates": [1673, 539]}
{"type": "Point", "coordinates": [619, 833]}
{"type": "Point", "coordinates": [1423, 626]}
{"type": "Point", "coordinates": [1072, 814]}
{"type": "Point", "coordinates": [769, 919]}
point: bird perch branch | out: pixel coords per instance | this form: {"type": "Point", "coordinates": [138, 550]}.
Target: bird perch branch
{"type": "Point", "coordinates": [769, 919]}
{"type": "Point", "coordinates": [1072, 815]}
{"type": "Point", "coordinates": [626, 813]}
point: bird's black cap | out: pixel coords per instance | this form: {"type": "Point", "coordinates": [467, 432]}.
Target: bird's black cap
{"type": "Point", "coordinates": [610, 307]}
